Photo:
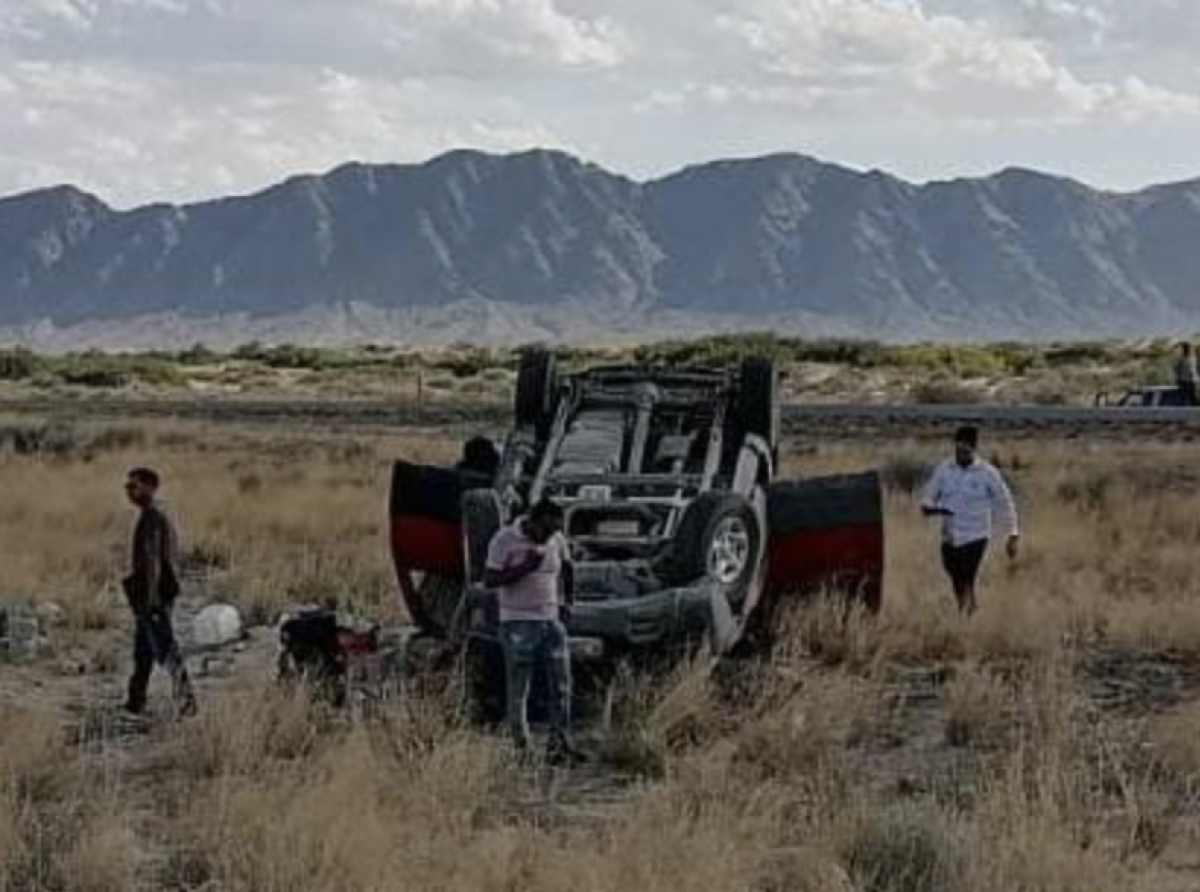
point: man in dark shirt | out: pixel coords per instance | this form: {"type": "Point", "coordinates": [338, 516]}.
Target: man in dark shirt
{"type": "Point", "coordinates": [151, 588]}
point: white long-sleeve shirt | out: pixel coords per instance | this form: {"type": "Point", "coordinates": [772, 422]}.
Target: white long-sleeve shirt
{"type": "Point", "coordinates": [977, 495]}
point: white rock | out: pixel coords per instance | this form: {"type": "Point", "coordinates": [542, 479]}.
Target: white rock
{"type": "Point", "coordinates": [217, 625]}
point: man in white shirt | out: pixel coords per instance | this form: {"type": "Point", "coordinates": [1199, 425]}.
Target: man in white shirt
{"type": "Point", "coordinates": [969, 495]}
{"type": "Point", "coordinates": [528, 565]}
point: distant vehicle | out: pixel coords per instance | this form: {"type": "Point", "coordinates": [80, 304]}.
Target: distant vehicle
{"type": "Point", "coordinates": [1150, 397]}
{"type": "Point", "coordinates": [677, 525]}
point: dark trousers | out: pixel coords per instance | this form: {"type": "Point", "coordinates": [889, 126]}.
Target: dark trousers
{"type": "Point", "coordinates": [154, 642]}
{"type": "Point", "coordinates": [536, 646]}
{"type": "Point", "coordinates": [1188, 391]}
{"type": "Point", "coordinates": [962, 563]}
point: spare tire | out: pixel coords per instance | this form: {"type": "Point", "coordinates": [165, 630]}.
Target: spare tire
{"type": "Point", "coordinates": [757, 406]}
{"type": "Point", "coordinates": [537, 390]}
{"type": "Point", "coordinates": [719, 539]}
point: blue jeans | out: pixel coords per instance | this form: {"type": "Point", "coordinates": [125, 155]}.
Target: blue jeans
{"type": "Point", "coordinates": [530, 646]}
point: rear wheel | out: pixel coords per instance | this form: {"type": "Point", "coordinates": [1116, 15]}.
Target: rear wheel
{"type": "Point", "coordinates": [718, 540]}
{"type": "Point", "coordinates": [537, 390]}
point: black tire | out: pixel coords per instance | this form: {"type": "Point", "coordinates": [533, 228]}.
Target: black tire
{"type": "Point", "coordinates": [537, 390]}
{"type": "Point", "coordinates": [690, 555]}
{"type": "Point", "coordinates": [480, 522]}
{"type": "Point", "coordinates": [757, 407]}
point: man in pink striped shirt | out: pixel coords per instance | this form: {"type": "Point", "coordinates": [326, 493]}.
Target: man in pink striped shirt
{"type": "Point", "coordinates": [528, 564]}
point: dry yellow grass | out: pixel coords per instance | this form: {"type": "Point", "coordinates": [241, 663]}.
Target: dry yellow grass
{"type": "Point", "coordinates": [915, 751]}
{"type": "Point", "coordinates": [1177, 737]}
{"type": "Point", "coordinates": [284, 520]}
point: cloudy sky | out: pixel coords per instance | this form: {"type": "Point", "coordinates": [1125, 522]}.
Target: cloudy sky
{"type": "Point", "coordinates": [143, 100]}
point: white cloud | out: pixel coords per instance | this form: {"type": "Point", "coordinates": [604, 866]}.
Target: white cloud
{"type": "Point", "coordinates": [180, 98]}
{"type": "Point", "coordinates": [288, 123]}
{"type": "Point", "coordinates": [894, 53]}
{"type": "Point", "coordinates": [511, 29]}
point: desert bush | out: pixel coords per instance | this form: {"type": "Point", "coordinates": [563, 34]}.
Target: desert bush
{"type": "Point", "coordinates": [1035, 829]}
{"type": "Point", "coordinates": [805, 741]}
{"type": "Point", "coordinates": [41, 439]}
{"type": "Point", "coordinates": [241, 736]}
{"type": "Point", "coordinates": [470, 362]}
{"type": "Point", "coordinates": [955, 360]}
{"type": "Point", "coordinates": [1090, 491]}
{"type": "Point", "coordinates": [197, 354]}
{"type": "Point", "coordinates": [978, 708]}
{"type": "Point", "coordinates": [833, 630]}
{"type": "Point", "coordinates": [1084, 353]}
{"type": "Point", "coordinates": [98, 378]}
{"type": "Point", "coordinates": [1176, 736]}
{"type": "Point", "coordinates": [719, 350]}
{"type": "Point", "coordinates": [1050, 396]}
{"type": "Point", "coordinates": [103, 857]}
{"type": "Point", "coordinates": [17, 365]}
{"type": "Point", "coordinates": [98, 370]}
{"type": "Point", "coordinates": [656, 715]}
{"type": "Point", "coordinates": [943, 391]}
{"type": "Point", "coordinates": [116, 439]}
{"type": "Point", "coordinates": [56, 829]}
{"type": "Point", "coordinates": [32, 750]}
{"type": "Point", "coordinates": [352, 820]}
{"type": "Point", "coordinates": [12, 820]}
{"type": "Point", "coordinates": [904, 850]}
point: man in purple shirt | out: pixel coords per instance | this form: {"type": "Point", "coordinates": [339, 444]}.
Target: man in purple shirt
{"type": "Point", "coordinates": [528, 565]}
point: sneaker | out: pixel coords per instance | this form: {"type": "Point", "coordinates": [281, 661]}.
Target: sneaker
{"type": "Point", "coordinates": [133, 708]}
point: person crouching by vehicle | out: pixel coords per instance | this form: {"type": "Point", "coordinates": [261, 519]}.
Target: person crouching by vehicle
{"type": "Point", "coordinates": [151, 589]}
{"type": "Point", "coordinates": [969, 494]}
{"type": "Point", "coordinates": [529, 567]}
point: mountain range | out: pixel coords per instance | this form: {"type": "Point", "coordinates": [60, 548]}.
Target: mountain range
{"type": "Point", "coordinates": [472, 246]}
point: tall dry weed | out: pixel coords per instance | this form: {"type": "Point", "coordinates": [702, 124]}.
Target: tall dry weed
{"type": "Point", "coordinates": [270, 520]}
{"type": "Point", "coordinates": [1176, 736]}
{"type": "Point", "coordinates": [239, 735]}
{"type": "Point", "coordinates": [103, 857]}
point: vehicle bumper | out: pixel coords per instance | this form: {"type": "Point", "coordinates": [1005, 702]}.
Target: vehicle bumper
{"type": "Point", "coordinates": [645, 621]}
{"type": "Point", "coordinates": [600, 628]}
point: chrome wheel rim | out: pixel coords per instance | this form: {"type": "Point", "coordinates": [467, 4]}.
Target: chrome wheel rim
{"type": "Point", "coordinates": [729, 554]}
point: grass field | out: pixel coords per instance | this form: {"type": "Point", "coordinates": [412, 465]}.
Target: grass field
{"type": "Point", "coordinates": [1048, 745]}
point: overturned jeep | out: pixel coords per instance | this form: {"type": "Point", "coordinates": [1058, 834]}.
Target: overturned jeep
{"type": "Point", "coordinates": [678, 527]}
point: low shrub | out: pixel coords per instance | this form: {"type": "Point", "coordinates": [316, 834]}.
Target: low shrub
{"type": "Point", "coordinates": [940, 391]}
{"type": "Point", "coordinates": [17, 364]}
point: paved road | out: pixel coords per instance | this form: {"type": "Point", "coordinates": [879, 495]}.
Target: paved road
{"type": "Point", "coordinates": [1020, 421]}
{"type": "Point", "coordinates": [798, 417]}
